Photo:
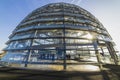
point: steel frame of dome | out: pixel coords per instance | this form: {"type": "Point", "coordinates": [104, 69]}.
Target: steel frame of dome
{"type": "Point", "coordinates": [57, 34]}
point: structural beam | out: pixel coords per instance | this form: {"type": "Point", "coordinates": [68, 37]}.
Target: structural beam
{"type": "Point", "coordinates": [112, 52]}
{"type": "Point", "coordinates": [95, 44]}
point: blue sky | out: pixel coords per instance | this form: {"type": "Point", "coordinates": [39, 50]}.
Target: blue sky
{"type": "Point", "coordinates": [13, 11]}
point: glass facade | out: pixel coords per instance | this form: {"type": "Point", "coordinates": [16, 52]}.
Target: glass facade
{"type": "Point", "coordinates": [60, 34]}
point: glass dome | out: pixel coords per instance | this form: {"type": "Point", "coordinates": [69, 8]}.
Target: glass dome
{"type": "Point", "coordinates": [62, 35]}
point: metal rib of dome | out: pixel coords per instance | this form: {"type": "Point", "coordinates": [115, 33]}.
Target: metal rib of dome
{"type": "Point", "coordinates": [58, 33]}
